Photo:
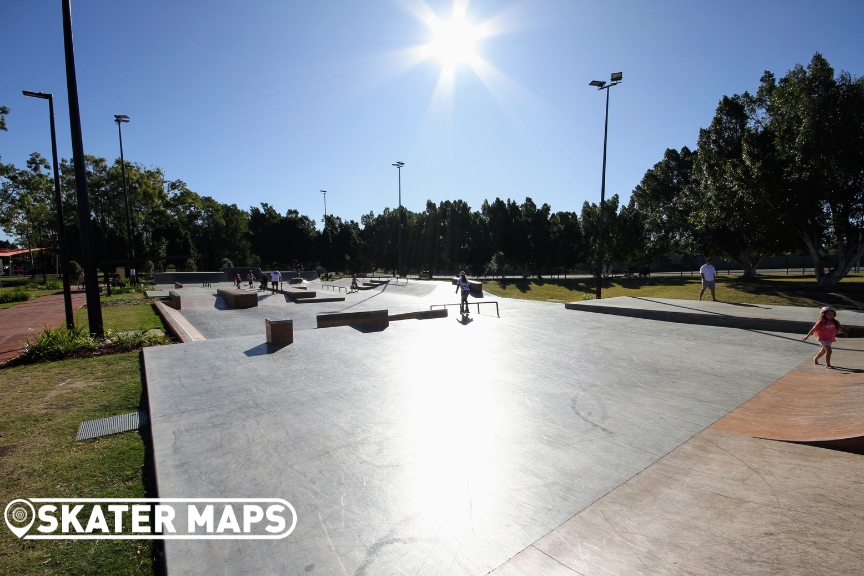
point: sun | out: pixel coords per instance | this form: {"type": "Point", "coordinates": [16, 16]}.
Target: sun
{"type": "Point", "coordinates": [454, 42]}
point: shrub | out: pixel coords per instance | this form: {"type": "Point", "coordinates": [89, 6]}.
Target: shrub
{"type": "Point", "coordinates": [17, 294]}
{"type": "Point", "coordinates": [56, 344]}
{"type": "Point", "coordinates": [54, 284]}
{"type": "Point", "coordinates": [136, 338]}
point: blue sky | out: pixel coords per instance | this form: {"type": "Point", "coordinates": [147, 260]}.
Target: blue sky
{"type": "Point", "coordinates": [272, 101]}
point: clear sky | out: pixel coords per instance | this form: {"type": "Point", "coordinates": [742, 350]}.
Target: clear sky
{"type": "Point", "coordinates": [273, 100]}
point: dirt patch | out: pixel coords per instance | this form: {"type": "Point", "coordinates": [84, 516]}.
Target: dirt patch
{"type": "Point", "coordinates": [8, 450]}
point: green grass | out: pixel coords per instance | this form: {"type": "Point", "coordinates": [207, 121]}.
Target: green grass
{"type": "Point", "coordinates": [125, 312]}
{"type": "Point", "coordinates": [778, 290]}
{"type": "Point", "coordinates": [40, 411]}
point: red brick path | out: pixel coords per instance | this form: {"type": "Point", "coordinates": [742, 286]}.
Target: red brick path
{"type": "Point", "coordinates": [29, 318]}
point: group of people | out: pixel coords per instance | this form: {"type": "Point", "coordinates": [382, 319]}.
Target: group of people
{"type": "Point", "coordinates": [275, 279]}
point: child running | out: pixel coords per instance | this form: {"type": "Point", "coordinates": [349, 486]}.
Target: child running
{"type": "Point", "coordinates": [826, 330]}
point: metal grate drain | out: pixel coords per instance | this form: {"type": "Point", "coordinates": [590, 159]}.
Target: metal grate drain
{"type": "Point", "coordinates": [112, 425]}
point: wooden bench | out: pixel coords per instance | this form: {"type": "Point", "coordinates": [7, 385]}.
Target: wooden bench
{"type": "Point", "coordinates": [236, 298]}
{"type": "Point", "coordinates": [372, 319]}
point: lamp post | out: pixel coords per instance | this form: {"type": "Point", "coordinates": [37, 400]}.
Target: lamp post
{"type": "Point", "coordinates": [58, 199]}
{"type": "Point", "coordinates": [326, 246]}
{"type": "Point", "coordinates": [613, 81]}
{"type": "Point", "coordinates": [104, 248]}
{"type": "Point", "coordinates": [130, 249]}
{"type": "Point", "coordinates": [85, 224]}
{"type": "Point", "coordinates": [399, 166]}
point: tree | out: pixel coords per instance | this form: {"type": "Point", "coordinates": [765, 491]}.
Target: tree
{"type": "Point", "coordinates": [27, 209]}
{"type": "Point", "coordinates": [729, 210]}
{"type": "Point", "coordinates": [661, 201]}
{"type": "Point", "coordinates": [816, 124]}
{"type": "Point", "coordinates": [3, 112]}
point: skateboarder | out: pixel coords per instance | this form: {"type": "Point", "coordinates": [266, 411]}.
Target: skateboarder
{"type": "Point", "coordinates": [463, 284]}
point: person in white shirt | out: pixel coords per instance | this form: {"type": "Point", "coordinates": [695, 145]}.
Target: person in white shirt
{"type": "Point", "coordinates": [275, 277]}
{"type": "Point", "coordinates": [708, 273]}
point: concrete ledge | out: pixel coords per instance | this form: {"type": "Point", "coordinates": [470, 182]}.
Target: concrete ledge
{"type": "Point", "coordinates": [371, 319]}
{"type": "Point", "coordinates": [422, 315]}
{"type": "Point", "coordinates": [177, 324]}
{"type": "Point", "coordinates": [280, 331]}
{"type": "Point", "coordinates": [178, 285]}
{"type": "Point", "coordinates": [298, 293]}
{"type": "Point", "coordinates": [235, 298]}
{"type": "Point", "coordinates": [704, 319]}
{"type": "Point", "coordinates": [318, 300]}
{"type": "Point", "coordinates": [174, 300]}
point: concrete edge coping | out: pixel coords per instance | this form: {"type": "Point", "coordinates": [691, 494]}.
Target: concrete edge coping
{"type": "Point", "coordinates": [371, 318]}
{"type": "Point", "coordinates": [422, 315]}
{"type": "Point", "coordinates": [237, 298]}
{"type": "Point", "coordinates": [178, 325]}
{"type": "Point", "coordinates": [721, 320]}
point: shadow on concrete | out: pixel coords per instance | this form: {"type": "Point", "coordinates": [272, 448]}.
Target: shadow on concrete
{"type": "Point", "coordinates": [368, 329]}
{"type": "Point", "coordinates": [264, 349]}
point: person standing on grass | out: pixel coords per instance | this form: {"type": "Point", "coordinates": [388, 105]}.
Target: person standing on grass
{"type": "Point", "coordinates": [462, 283]}
{"type": "Point", "coordinates": [709, 274]}
{"type": "Point", "coordinates": [826, 330]}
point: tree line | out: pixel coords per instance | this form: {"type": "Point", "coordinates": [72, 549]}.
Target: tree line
{"type": "Point", "coordinates": [778, 171]}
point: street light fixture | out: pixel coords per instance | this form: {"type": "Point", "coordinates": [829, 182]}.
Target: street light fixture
{"type": "Point", "coordinates": [130, 249]}
{"type": "Point", "coordinates": [58, 199]}
{"type": "Point", "coordinates": [399, 166]}
{"type": "Point", "coordinates": [615, 79]}
{"type": "Point", "coordinates": [327, 246]}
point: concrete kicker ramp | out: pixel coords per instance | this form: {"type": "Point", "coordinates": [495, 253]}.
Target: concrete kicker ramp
{"type": "Point", "coordinates": [809, 405]}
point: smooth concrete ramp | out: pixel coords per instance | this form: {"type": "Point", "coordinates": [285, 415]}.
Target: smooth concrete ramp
{"type": "Point", "coordinates": [721, 504]}
{"type": "Point", "coordinates": [809, 405]}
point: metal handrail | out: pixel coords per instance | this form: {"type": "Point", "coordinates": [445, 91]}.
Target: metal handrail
{"type": "Point", "coordinates": [471, 303]}
{"type": "Point", "coordinates": [334, 287]}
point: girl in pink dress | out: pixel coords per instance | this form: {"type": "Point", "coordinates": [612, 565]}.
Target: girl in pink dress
{"type": "Point", "coordinates": [826, 330]}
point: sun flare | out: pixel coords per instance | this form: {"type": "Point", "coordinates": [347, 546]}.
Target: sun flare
{"type": "Point", "coordinates": [454, 42]}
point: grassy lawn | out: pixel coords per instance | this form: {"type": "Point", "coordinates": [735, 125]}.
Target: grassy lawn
{"type": "Point", "coordinates": [780, 290]}
{"type": "Point", "coordinates": [140, 315]}
{"type": "Point", "coordinates": [42, 406]}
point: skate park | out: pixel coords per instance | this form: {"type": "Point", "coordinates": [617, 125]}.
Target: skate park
{"type": "Point", "coordinates": [523, 438]}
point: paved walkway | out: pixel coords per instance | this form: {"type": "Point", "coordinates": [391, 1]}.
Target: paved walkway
{"type": "Point", "coordinates": [30, 318]}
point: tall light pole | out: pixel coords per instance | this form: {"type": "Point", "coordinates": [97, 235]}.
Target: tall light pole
{"type": "Point", "coordinates": [399, 166]}
{"type": "Point", "coordinates": [121, 119]}
{"type": "Point", "coordinates": [58, 199]}
{"type": "Point", "coordinates": [85, 224]}
{"type": "Point", "coordinates": [326, 246]}
{"type": "Point", "coordinates": [613, 81]}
